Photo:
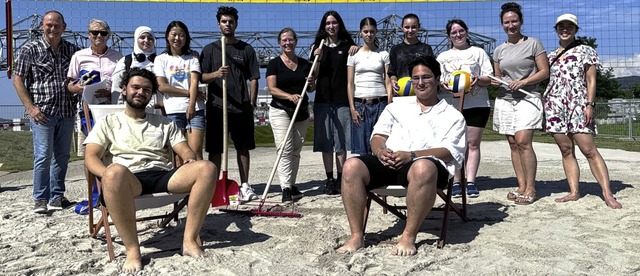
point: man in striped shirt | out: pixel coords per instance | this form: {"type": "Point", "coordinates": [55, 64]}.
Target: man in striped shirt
{"type": "Point", "coordinates": [39, 80]}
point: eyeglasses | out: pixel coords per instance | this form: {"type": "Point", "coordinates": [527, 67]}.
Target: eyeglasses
{"type": "Point", "coordinates": [96, 33]}
{"type": "Point", "coordinates": [424, 78]}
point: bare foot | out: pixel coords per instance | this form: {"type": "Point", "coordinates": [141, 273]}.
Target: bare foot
{"type": "Point", "coordinates": [352, 245]}
{"type": "Point", "coordinates": [132, 265]}
{"type": "Point", "coordinates": [192, 249]}
{"type": "Point", "coordinates": [612, 202]}
{"type": "Point", "coordinates": [567, 198]}
{"type": "Point", "coordinates": [405, 247]}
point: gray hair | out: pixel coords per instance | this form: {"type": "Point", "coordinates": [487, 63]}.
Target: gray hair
{"type": "Point", "coordinates": [101, 23]}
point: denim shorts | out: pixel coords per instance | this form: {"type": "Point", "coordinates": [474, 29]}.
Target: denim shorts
{"type": "Point", "coordinates": [360, 135]}
{"type": "Point", "coordinates": [196, 122]}
{"type": "Point", "coordinates": [331, 128]}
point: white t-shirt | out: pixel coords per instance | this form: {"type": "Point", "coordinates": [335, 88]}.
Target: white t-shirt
{"type": "Point", "coordinates": [473, 60]}
{"type": "Point", "coordinates": [408, 128]}
{"type": "Point", "coordinates": [138, 144]}
{"type": "Point", "coordinates": [369, 77]}
{"type": "Point", "coordinates": [177, 71]}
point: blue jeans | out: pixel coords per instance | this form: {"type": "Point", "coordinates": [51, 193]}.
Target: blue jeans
{"type": "Point", "coordinates": [360, 135]}
{"type": "Point", "coordinates": [51, 145]}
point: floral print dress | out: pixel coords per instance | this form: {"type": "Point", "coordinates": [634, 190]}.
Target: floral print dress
{"type": "Point", "coordinates": [565, 99]}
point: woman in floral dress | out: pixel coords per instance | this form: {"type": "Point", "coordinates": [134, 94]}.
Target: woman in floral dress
{"type": "Point", "coordinates": [569, 108]}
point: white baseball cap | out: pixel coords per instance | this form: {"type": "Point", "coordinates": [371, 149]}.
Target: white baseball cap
{"type": "Point", "coordinates": [568, 17]}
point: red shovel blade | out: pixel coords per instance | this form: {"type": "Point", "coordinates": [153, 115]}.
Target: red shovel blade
{"type": "Point", "coordinates": [225, 188]}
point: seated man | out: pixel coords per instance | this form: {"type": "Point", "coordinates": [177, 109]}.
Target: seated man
{"type": "Point", "coordinates": [417, 144]}
{"type": "Point", "coordinates": [141, 146]}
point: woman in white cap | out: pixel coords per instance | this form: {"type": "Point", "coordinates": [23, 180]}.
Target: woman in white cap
{"type": "Point", "coordinates": [569, 106]}
{"type": "Point", "coordinates": [143, 55]}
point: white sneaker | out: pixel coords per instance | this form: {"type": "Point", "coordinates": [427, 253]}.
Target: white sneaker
{"type": "Point", "coordinates": [247, 193]}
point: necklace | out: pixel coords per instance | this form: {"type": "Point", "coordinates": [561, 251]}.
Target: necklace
{"type": "Point", "coordinates": [290, 63]}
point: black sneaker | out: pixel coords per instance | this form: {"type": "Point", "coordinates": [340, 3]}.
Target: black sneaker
{"type": "Point", "coordinates": [295, 193]}
{"type": "Point", "coordinates": [40, 207]}
{"type": "Point", "coordinates": [337, 187]}
{"type": "Point", "coordinates": [59, 203]}
{"type": "Point", "coordinates": [330, 187]}
{"type": "Point", "coordinates": [286, 195]}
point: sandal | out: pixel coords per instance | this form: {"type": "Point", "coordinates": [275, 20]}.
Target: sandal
{"type": "Point", "coordinates": [513, 195]}
{"type": "Point", "coordinates": [525, 199]}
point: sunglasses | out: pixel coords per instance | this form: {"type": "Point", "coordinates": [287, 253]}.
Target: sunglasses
{"type": "Point", "coordinates": [96, 33]}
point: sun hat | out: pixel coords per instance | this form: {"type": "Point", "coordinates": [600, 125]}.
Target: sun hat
{"type": "Point", "coordinates": [568, 17]}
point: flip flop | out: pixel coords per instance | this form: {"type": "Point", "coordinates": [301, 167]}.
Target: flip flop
{"type": "Point", "coordinates": [513, 195]}
{"type": "Point", "coordinates": [527, 199]}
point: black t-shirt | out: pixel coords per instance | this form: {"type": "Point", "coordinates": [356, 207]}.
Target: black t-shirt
{"type": "Point", "coordinates": [332, 78]}
{"type": "Point", "coordinates": [243, 66]}
{"type": "Point", "coordinates": [289, 81]}
{"type": "Point", "coordinates": [402, 54]}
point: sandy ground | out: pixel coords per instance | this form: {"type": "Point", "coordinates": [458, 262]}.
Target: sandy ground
{"type": "Point", "coordinates": [577, 238]}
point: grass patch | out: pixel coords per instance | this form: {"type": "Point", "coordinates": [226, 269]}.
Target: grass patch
{"type": "Point", "coordinates": [16, 148]}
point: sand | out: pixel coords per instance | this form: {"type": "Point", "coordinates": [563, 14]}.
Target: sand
{"type": "Point", "coordinates": [584, 237]}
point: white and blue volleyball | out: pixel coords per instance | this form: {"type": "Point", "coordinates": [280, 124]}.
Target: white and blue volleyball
{"type": "Point", "coordinates": [460, 81]}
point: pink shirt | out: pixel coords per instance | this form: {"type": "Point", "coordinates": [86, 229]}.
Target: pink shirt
{"type": "Point", "coordinates": [85, 59]}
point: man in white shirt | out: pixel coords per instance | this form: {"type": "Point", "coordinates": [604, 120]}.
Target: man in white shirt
{"type": "Point", "coordinates": [416, 143]}
{"type": "Point", "coordinates": [141, 144]}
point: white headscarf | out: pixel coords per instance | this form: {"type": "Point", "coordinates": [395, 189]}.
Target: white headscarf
{"type": "Point", "coordinates": [139, 31]}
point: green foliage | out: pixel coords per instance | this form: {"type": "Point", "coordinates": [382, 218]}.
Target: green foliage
{"type": "Point", "coordinates": [635, 91]}
{"type": "Point", "coordinates": [606, 86]}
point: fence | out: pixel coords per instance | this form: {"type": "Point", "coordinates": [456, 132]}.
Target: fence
{"type": "Point", "coordinates": [618, 118]}
{"type": "Point", "coordinates": [10, 112]}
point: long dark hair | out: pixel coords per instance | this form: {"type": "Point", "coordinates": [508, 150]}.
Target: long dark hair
{"type": "Point", "coordinates": [462, 24]}
{"type": "Point", "coordinates": [369, 21]}
{"type": "Point", "coordinates": [343, 34]}
{"type": "Point", "coordinates": [511, 7]}
{"type": "Point", "coordinates": [186, 48]}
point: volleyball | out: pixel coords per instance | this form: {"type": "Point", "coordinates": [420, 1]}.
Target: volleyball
{"type": "Point", "coordinates": [405, 87]}
{"type": "Point", "coordinates": [460, 81]}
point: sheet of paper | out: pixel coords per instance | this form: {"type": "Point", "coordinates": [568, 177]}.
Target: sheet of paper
{"type": "Point", "coordinates": [89, 93]}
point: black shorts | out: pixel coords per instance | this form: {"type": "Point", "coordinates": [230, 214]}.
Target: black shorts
{"type": "Point", "coordinates": [380, 175]}
{"type": "Point", "coordinates": [477, 116]}
{"type": "Point", "coordinates": [155, 181]}
{"type": "Point", "coordinates": [151, 182]}
{"type": "Point", "coordinates": [241, 129]}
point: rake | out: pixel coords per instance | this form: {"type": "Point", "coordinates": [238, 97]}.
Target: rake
{"type": "Point", "coordinates": [278, 210]}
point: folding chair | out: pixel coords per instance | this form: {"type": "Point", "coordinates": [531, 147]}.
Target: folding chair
{"type": "Point", "coordinates": [380, 194]}
{"type": "Point", "coordinates": [148, 201]}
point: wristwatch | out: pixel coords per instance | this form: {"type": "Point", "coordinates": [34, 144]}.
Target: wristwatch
{"type": "Point", "coordinates": [592, 104]}
{"type": "Point", "coordinates": [413, 155]}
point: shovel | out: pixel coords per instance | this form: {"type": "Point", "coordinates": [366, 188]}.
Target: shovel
{"type": "Point", "coordinates": [227, 190]}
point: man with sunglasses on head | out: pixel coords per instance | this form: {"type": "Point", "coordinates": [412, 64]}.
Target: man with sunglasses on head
{"type": "Point", "coordinates": [39, 80]}
{"type": "Point", "coordinates": [418, 143]}
{"type": "Point", "coordinates": [92, 66]}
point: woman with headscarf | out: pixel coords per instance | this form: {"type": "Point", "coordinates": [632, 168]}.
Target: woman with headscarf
{"type": "Point", "coordinates": [143, 55]}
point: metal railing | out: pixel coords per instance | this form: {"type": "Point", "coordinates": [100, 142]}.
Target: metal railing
{"type": "Point", "coordinates": [618, 118]}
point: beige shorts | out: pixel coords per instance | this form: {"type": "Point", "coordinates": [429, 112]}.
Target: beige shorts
{"type": "Point", "coordinates": [510, 116]}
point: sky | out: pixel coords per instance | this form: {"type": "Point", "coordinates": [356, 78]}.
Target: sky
{"type": "Point", "coordinates": [614, 23]}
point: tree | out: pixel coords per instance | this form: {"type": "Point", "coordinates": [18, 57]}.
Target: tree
{"type": "Point", "coordinates": [606, 86]}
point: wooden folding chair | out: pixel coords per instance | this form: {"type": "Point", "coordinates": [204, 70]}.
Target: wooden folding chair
{"type": "Point", "coordinates": [380, 194]}
{"type": "Point", "coordinates": [148, 201]}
